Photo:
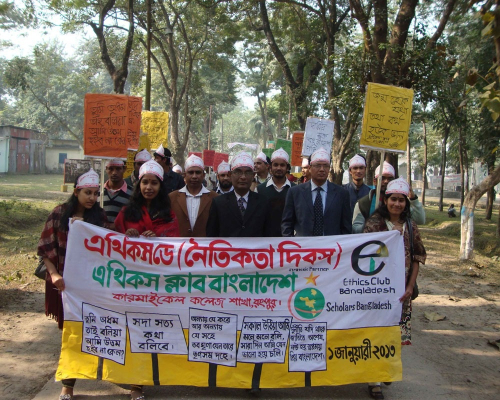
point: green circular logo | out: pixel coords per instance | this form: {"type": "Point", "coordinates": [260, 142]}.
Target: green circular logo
{"type": "Point", "coordinates": [309, 303]}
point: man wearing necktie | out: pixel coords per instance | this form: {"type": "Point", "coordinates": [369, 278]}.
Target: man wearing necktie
{"type": "Point", "coordinates": [241, 212]}
{"type": "Point", "coordinates": [317, 207]}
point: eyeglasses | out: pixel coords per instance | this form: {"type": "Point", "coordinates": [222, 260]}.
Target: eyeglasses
{"type": "Point", "coordinates": [320, 166]}
{"type": "Point", "coordinates": [239, 172]}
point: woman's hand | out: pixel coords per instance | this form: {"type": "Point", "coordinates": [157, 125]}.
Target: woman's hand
{"type": "Point", "coordinates": [76, 219]}
{"type": "Point", "coordinates": [149, 234]}
{"type": "Point", "coordinates": [57, 281]}
{"type": "Point", "coordinates": [132, 232]}
{"type": "Point", "coordinates": [407, 294]}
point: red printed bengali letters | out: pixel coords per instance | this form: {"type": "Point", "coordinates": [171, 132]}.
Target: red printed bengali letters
{"type": "Point", "coordinates": [216, 254]}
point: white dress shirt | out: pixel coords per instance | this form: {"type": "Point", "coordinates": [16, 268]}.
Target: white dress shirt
{"type": "Point", "coordinates": [193, 203]}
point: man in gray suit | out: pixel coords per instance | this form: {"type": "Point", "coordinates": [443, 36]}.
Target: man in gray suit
{"type": "Point", "coordinates": [307, 215]}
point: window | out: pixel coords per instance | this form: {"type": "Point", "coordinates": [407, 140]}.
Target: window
{"type": "Point", "coordinates": [62, 157]}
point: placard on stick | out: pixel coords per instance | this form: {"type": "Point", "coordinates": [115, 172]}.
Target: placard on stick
{"type": "Point", "coordinates": [106, 129]}
{"type": "Point", "coordinates": [387, 118]}
{"type": "Point", "coordinates": [296, 156]}
{"type": "Point", "coordinates": [319, 133]}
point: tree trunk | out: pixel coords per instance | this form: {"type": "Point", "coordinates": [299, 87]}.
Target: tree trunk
{"type": "Point", "coordinates": [489, 203]}
{"type": "Point", "coordinates": [443, 165]}
{"type": "Point", "coordinates": [498, 224]}
{"type": "Point", "coordinates": [462, 167]}
{"type": "Point", "coordinates": [425, 163]}
{"type": "Point", "coordinates": [467, 213]}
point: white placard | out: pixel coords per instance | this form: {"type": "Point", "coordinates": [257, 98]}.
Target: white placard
{"type": "Point", "coordinates": [307, 347]}
{"type": "Point", "coordinates": [156, 333]}
{"type": "Point", "coordinates": [319, 133]}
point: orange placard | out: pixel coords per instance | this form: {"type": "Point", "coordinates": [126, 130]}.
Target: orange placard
{"type": "Point", "coordinates": [296, 156]}
{"type": "Point", "coordinates": [208, 158]}
{"type": "Point", "coordinates": [134, 122]}
{"type": "Point", "coordinates": [110, 125]}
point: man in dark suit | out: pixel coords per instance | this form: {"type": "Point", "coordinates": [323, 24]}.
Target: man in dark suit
{"type": "Point", "coordinates": [240, 213]}
{"type": "Point", "coordinates": [191, 204]}
{"type": "Point", "coordinates": [307, 215]}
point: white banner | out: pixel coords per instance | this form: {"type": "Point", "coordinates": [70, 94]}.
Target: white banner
{"type": "Point", "coordinates": [226, 301]}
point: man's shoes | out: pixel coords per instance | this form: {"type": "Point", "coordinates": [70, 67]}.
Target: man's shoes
{"type": "Point", "coordinates": [375, 392]}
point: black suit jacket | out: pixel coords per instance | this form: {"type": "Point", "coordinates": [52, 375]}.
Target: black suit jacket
{"type": "Point", "coordinates": [225, 219]}
{"type": "Point", "coordinates": [298, 214]}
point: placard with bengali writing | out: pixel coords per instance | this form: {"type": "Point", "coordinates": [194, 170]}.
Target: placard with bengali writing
{"type": "Point", "coordinates": [106, 126]}
{"type": "Point", "coordinates": [296, 156]}
{"type": "Point", "coordinates": [134, 122]}
{"type": "Point", "coordinates": [155, 125]}
{"type": "Point", "coordinates": [212, 337]}
{"type": "Point", "coordinates": [229, 311]}
{"type": "Point", "coordinates": [285, 145]}
{"type": "Point", "coordinates": [104, 333]}
{"type": "Point", "coordinates": [386, 118]}
{"type": "Point", "coordinates": [318, 134]}
{"type": "Point", "coordinates": [129, 164]}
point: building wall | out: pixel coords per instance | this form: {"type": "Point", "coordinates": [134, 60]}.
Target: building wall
{"type": "Point", "coordinates": [54, 154]}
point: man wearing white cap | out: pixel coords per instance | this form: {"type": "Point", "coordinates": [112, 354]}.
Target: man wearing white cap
{"type": "Point", "coordinates": [261, 168]}
{"type": "Point", "coordinates": [192, 203]}
{"type": "Point", "coordinates": [240, 213]}
{"type": "Point", "coordinates": [276, 189]}
{"type": "Point", "coordinates": [224, 183]}
{"type": "Point", "coordinates": [366, 206]}
{"type": "Point", "coordinates": [171, 180]}
{"type": "Point", "coordinates": [116, 191]}
{"type": "Point", "coordinates": [317, 207]}
{"type": "Point", "coordinates": [356, 188]}
{"type": "Point", "coordinates": [140, 158]}
{"type": "Point", "coordinates": [177, 169]}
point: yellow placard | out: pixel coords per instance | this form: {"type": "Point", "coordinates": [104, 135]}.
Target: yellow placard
{"type": "Point", "coordinates": [387, 117]}
{"type": "Point", "coordinates": [155, 125]}
{"type": "Point", "coordinates": [129, 164]}
{"type": "Point", "coordinates": [353, 356]}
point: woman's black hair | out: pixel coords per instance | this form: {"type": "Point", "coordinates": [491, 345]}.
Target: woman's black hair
{"type": "Point", "coordinates": [158, 209]}
{"type": "Point", "coordinates": [384, 212]}
{"type": "Point", "coordinates": [92, 216]}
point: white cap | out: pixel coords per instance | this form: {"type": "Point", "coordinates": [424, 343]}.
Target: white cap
{"type": "Point", "coordinates": [357, 161]}
{"type": "Point", "coordinates": [387, 170]}
{"type": "Point", "coordinates": [242, 159]}
{"type": "Point", "coordinates": [281, 154]}
{"type": "Point", "coordinates": [142, 156]}
{"type": "Point", "coordinates": [151, 167]}
{"type": "Point", "coordinates": [261, 157]}
{"type": "Point", "coordinates": [115, 162]}
{"type": "Point", "coordinates": [305, 162]}
{"type": "Point", "coordinates": [398, 186]}
{"type": "Point", "coordinates": [320, 155]}
{"type": "Point", "coordinates": [88, 179]}
{"type": "Point", "coordinates": [177, 168]}
{"type": "Point", "coordinates": [160, 151]}
{"type": "Point", "coordinates": [193, 161]}
{"type": "Point", "coordinates": [223, 168]}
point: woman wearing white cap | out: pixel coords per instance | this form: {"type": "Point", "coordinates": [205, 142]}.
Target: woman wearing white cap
{"type": "Point", "coordinates": [148, 213]}
{"type": "Point", "coordinates": [82, 205]}
{"type": "Point", "coordinates": [394, 214]}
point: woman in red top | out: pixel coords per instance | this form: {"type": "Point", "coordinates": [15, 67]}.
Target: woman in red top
{"type": "Point", "coordinates": [148, 213]}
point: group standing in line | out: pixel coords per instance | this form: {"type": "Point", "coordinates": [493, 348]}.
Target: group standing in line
{"type": "Point", "coordinates": [251, 198]}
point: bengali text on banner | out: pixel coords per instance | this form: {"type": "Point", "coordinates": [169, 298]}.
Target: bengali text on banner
{"type": "Point", "coordinates": [308, 311]}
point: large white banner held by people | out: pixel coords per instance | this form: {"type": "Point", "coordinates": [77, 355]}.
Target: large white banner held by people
{"type": "Point", "coordinates": [283, 312]}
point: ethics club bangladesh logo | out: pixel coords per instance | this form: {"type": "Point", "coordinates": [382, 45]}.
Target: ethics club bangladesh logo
{"type": "Point", "coordinates": [307, 303]}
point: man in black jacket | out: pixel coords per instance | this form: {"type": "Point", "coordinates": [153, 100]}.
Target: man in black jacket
{"type": "Point", "coordinates": [171, 180]}
{"type": "Point", "coordinates": [240, 213]}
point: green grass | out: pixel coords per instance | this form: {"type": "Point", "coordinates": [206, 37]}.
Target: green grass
{"type": "Point", "coordinates": [47, 187]}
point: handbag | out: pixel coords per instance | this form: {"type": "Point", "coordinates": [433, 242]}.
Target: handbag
{"type": "Point", "coordinates": [414, 295]}
{"type": "Point", "coordinates": [41, 269]}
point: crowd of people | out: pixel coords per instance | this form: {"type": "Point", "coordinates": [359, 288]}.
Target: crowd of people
{"type": "Point", "coordinates": [252, 197]}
